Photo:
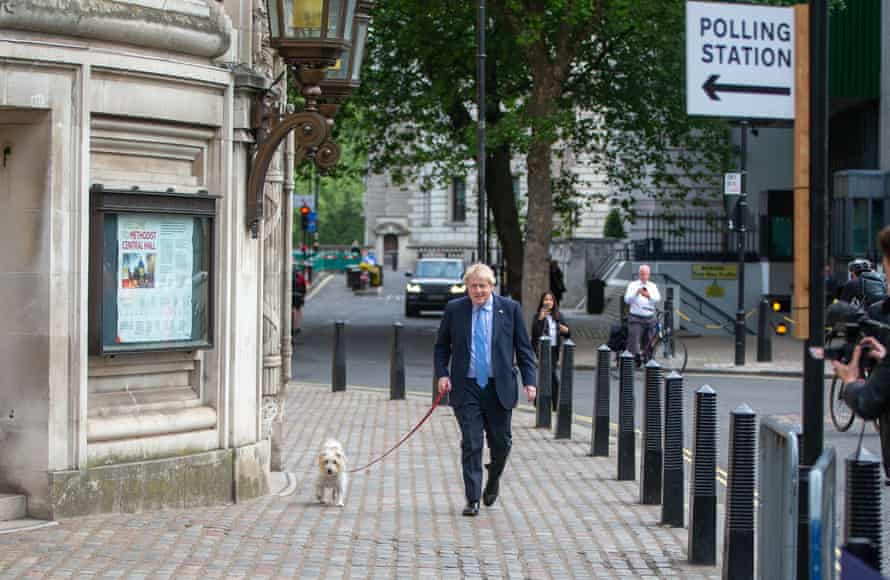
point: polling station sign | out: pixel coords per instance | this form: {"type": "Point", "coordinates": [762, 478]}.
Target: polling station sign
{"type": "Point", "coordinates": [739, 60]}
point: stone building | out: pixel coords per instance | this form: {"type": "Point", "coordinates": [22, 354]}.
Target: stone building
{"type": "Point", "coordinates": [126, 137]}
{"type": "Point", "coordinates": [412, 220]}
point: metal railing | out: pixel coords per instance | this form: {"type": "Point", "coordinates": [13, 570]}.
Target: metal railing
{"type": "Point", "coordinates": [702, 306]}
{"type": "Point", "coordinates": [778, 509]}
{"type": "Point", "coordinates": [695, 236]}
{"type": "Point", "coordinates": [823, 516]}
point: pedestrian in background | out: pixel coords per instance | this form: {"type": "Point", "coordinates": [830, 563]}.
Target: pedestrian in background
{"type": "Point", "coordinates": [298, 298]}
{"type": "Point", "coordinates": [549, 322]}
{"type": "Point", "coordinates": [479, 336]}
{"type": "Point", "coordinates": [642, 296]}
{"type": "Point", "coordinates": [557, 282]}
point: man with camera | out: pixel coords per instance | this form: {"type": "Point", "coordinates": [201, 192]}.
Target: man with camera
{"type": "Point", "coordinates": [867, 398]}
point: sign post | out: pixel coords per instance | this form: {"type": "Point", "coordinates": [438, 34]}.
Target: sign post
{"type": "Point", "coordinates": [739, 65]}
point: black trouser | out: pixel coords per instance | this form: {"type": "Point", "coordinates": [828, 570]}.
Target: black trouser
{"type": "Point", "coordinates": [481, 411]}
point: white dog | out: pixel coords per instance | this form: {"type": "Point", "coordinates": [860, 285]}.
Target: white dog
{"type": "Point", "coordinates": [331, 473]}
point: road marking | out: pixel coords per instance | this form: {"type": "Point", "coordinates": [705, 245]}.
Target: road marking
{"type": "Point", "coordinates": [319, 286]}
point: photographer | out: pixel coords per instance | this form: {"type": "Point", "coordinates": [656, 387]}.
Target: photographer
{"type": "Point", "coordinates": [870, 399]}
{"type": "Point", "coordinates": [867, 398]}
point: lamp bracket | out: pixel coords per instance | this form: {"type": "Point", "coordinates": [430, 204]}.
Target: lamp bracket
{"type": "Point", "coordinates": [310, 132]}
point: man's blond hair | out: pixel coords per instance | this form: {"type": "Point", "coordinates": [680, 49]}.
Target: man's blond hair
{"type": "Point", "coordinates": [479, 270]}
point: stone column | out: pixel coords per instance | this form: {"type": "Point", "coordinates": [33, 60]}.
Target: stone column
{"type": "Point", "coordinates": [287, 223]}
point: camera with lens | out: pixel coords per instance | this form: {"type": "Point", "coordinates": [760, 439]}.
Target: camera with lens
{"type": "Point", "coordinates": [849, 324]}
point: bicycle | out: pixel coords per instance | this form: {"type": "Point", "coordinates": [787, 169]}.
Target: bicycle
{"type": "Point", "coordinates": [665, 348]}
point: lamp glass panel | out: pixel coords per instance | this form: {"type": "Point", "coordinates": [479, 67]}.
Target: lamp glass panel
{"type": "Point", "coordinates": [305, 18]}
{"type": "Point", "coordinates": [273, 19]}
{"type": "Point", "coordinates": [350, 16]}
{"type": "Point", "coordinates": [341, 68]}
{"type": "Point", "coordinates": [335, 19]}
{"type": "Point", "coordinates": [358, 50]}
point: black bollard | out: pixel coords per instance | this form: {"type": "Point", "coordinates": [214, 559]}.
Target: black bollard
{"type": "Point", "coordinates": [650, 471]}
{"type": "Point", "coordinates": [599, 441]}
{"type": "Point", "coordinates": [672, 507]}
{"type": "Point", "coordinates": [669, 316]}
{"type": "Point", "coordinates": [862, 505]}
{"type": "Point", "coordinates": [338, 368]}
{"type": "Point", "coordinates": [446, 398]}
{"type": "Point", "coordinates": [627, 462]}
{"type": "Point", "coordinates": [738, 530]}
{"type": "Point", "coordinates": [764, 338]}
{"type": "Point", "coordinates": [545, 374]}
{"type": "Point", "coordinates": [397, 364]}
{"type": "Point", "coordinates": [703, 484]}
{"type": "Point", "coordinates": [566, 384]}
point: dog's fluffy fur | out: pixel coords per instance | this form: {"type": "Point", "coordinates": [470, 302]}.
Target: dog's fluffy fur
{"type": "Point", "coordinates": [331, 473]}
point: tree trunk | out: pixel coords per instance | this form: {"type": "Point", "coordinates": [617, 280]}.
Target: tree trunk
{"type": "Point", "coordinates": [536, 273]}
{"type": "Point", "coordinates": [502, 201]}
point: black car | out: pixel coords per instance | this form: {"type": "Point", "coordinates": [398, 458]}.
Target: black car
{"type": "Point", "coordinates": [435, 281]}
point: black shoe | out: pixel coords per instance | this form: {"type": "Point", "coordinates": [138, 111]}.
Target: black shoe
{"type": "Point", "coordinates": [472, 509]}
{"type": "Point", "coordinates": [490, 494]}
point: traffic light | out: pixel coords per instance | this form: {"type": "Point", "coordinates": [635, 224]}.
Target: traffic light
{"type": "Point", "coordinates": [304, 217]}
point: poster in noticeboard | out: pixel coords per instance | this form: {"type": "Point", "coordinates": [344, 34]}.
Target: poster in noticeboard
{"type": "Point", "coordinates": [154, 287]}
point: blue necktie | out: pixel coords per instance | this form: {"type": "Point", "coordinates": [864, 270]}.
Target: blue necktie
{"type": "Point", "coordinates": [480, 348]}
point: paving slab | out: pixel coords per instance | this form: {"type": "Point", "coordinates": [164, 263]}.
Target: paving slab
{"type": "Point", "coordinates": [561, 514]}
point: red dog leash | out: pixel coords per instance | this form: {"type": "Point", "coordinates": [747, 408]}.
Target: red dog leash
{"type": "Point", "coordinates": [405, 438]}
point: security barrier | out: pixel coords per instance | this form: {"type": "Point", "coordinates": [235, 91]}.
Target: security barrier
{"type": "Point", "coordinates": [778, 484]}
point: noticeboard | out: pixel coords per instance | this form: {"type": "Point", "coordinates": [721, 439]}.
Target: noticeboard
{"type": "Point", "coordinates": [715, 271]}
{"type": "Point", "coordinates": [151, 271]}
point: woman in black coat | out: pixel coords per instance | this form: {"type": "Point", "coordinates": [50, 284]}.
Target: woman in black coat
{"type": "Point", "coordinates": [549, 322]}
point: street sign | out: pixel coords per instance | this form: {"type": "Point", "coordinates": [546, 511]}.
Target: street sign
{"type": "Point", "coordinates": [312, 227]}
{"type": "Point", "coordinates": [739, 60]}
{"type": "Point", "coordinates": [732, 183]}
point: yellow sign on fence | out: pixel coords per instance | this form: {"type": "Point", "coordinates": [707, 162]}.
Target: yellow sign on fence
{"type": "Point", "coordinates": [715, 271]}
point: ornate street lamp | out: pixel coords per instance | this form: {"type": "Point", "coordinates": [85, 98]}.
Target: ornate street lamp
{"type": "Point", "coordinates": [310, 35]}
{"type": "Point", "coordinates": [343, 78]}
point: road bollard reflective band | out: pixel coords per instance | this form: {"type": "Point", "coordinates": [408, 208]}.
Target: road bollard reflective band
{"type": "Point", "coordinates": [566, 388]}
{"type": "Point", "coordinates": [626, 438]}
{"type": "Point", "coordinates": [545, 373]}
{"type": "Point", "coordinates": [599, 441]}
{"type": "Point", "coordinates": [764, 338]}
{"type": "Point", "coordinates": [703, 483]}
{"type": "Point", "coordinates": [672, 507]}
{"type": "Point", "coordinates": [397, 364]}
{"type": "Point", "coordinates": [738, 536]}
{"type": "Point", "coordinates": [651, 470]}
{"type": "Point", "coordinates": [862, 505]}
{"type": "Point", "coordinates": [338, 368]}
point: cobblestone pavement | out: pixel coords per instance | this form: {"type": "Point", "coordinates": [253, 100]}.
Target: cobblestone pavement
{"type": "Point", "coordinates": [561, 514]}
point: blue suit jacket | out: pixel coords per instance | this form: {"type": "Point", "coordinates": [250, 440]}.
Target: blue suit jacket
{"type": "Point", "coordinates": [508, 337]}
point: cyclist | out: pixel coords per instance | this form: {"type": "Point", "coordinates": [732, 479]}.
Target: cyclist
{"type": "Point", "coordinates": [865, 286]}
{"type": "Point", "coordinates": [642, 295]}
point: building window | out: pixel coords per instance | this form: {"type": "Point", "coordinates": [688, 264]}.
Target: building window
{"type": "Point", "coordinates": [427, 197]}
{"type": "Point", "coordinates": [459, 199]}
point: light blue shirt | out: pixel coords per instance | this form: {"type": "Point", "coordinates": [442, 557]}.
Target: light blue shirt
{"type": "Point", "coordinates": [485, 311]}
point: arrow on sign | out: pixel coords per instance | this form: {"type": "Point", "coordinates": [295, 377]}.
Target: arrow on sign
{"type": "Point", "coordinates": [712, 87]}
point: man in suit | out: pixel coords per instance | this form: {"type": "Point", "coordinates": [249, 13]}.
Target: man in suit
{"type": "Point", "coordinates": [478, 336]}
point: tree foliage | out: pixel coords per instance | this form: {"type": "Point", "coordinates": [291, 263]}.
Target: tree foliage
{"type": "Point", "coordinates": [594, 82]}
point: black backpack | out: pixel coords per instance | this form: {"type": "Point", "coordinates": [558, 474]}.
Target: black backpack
{"type": "Point", "coordinates": [873, 288]}
{"type": "Point", "coordinates": [617, 338]}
